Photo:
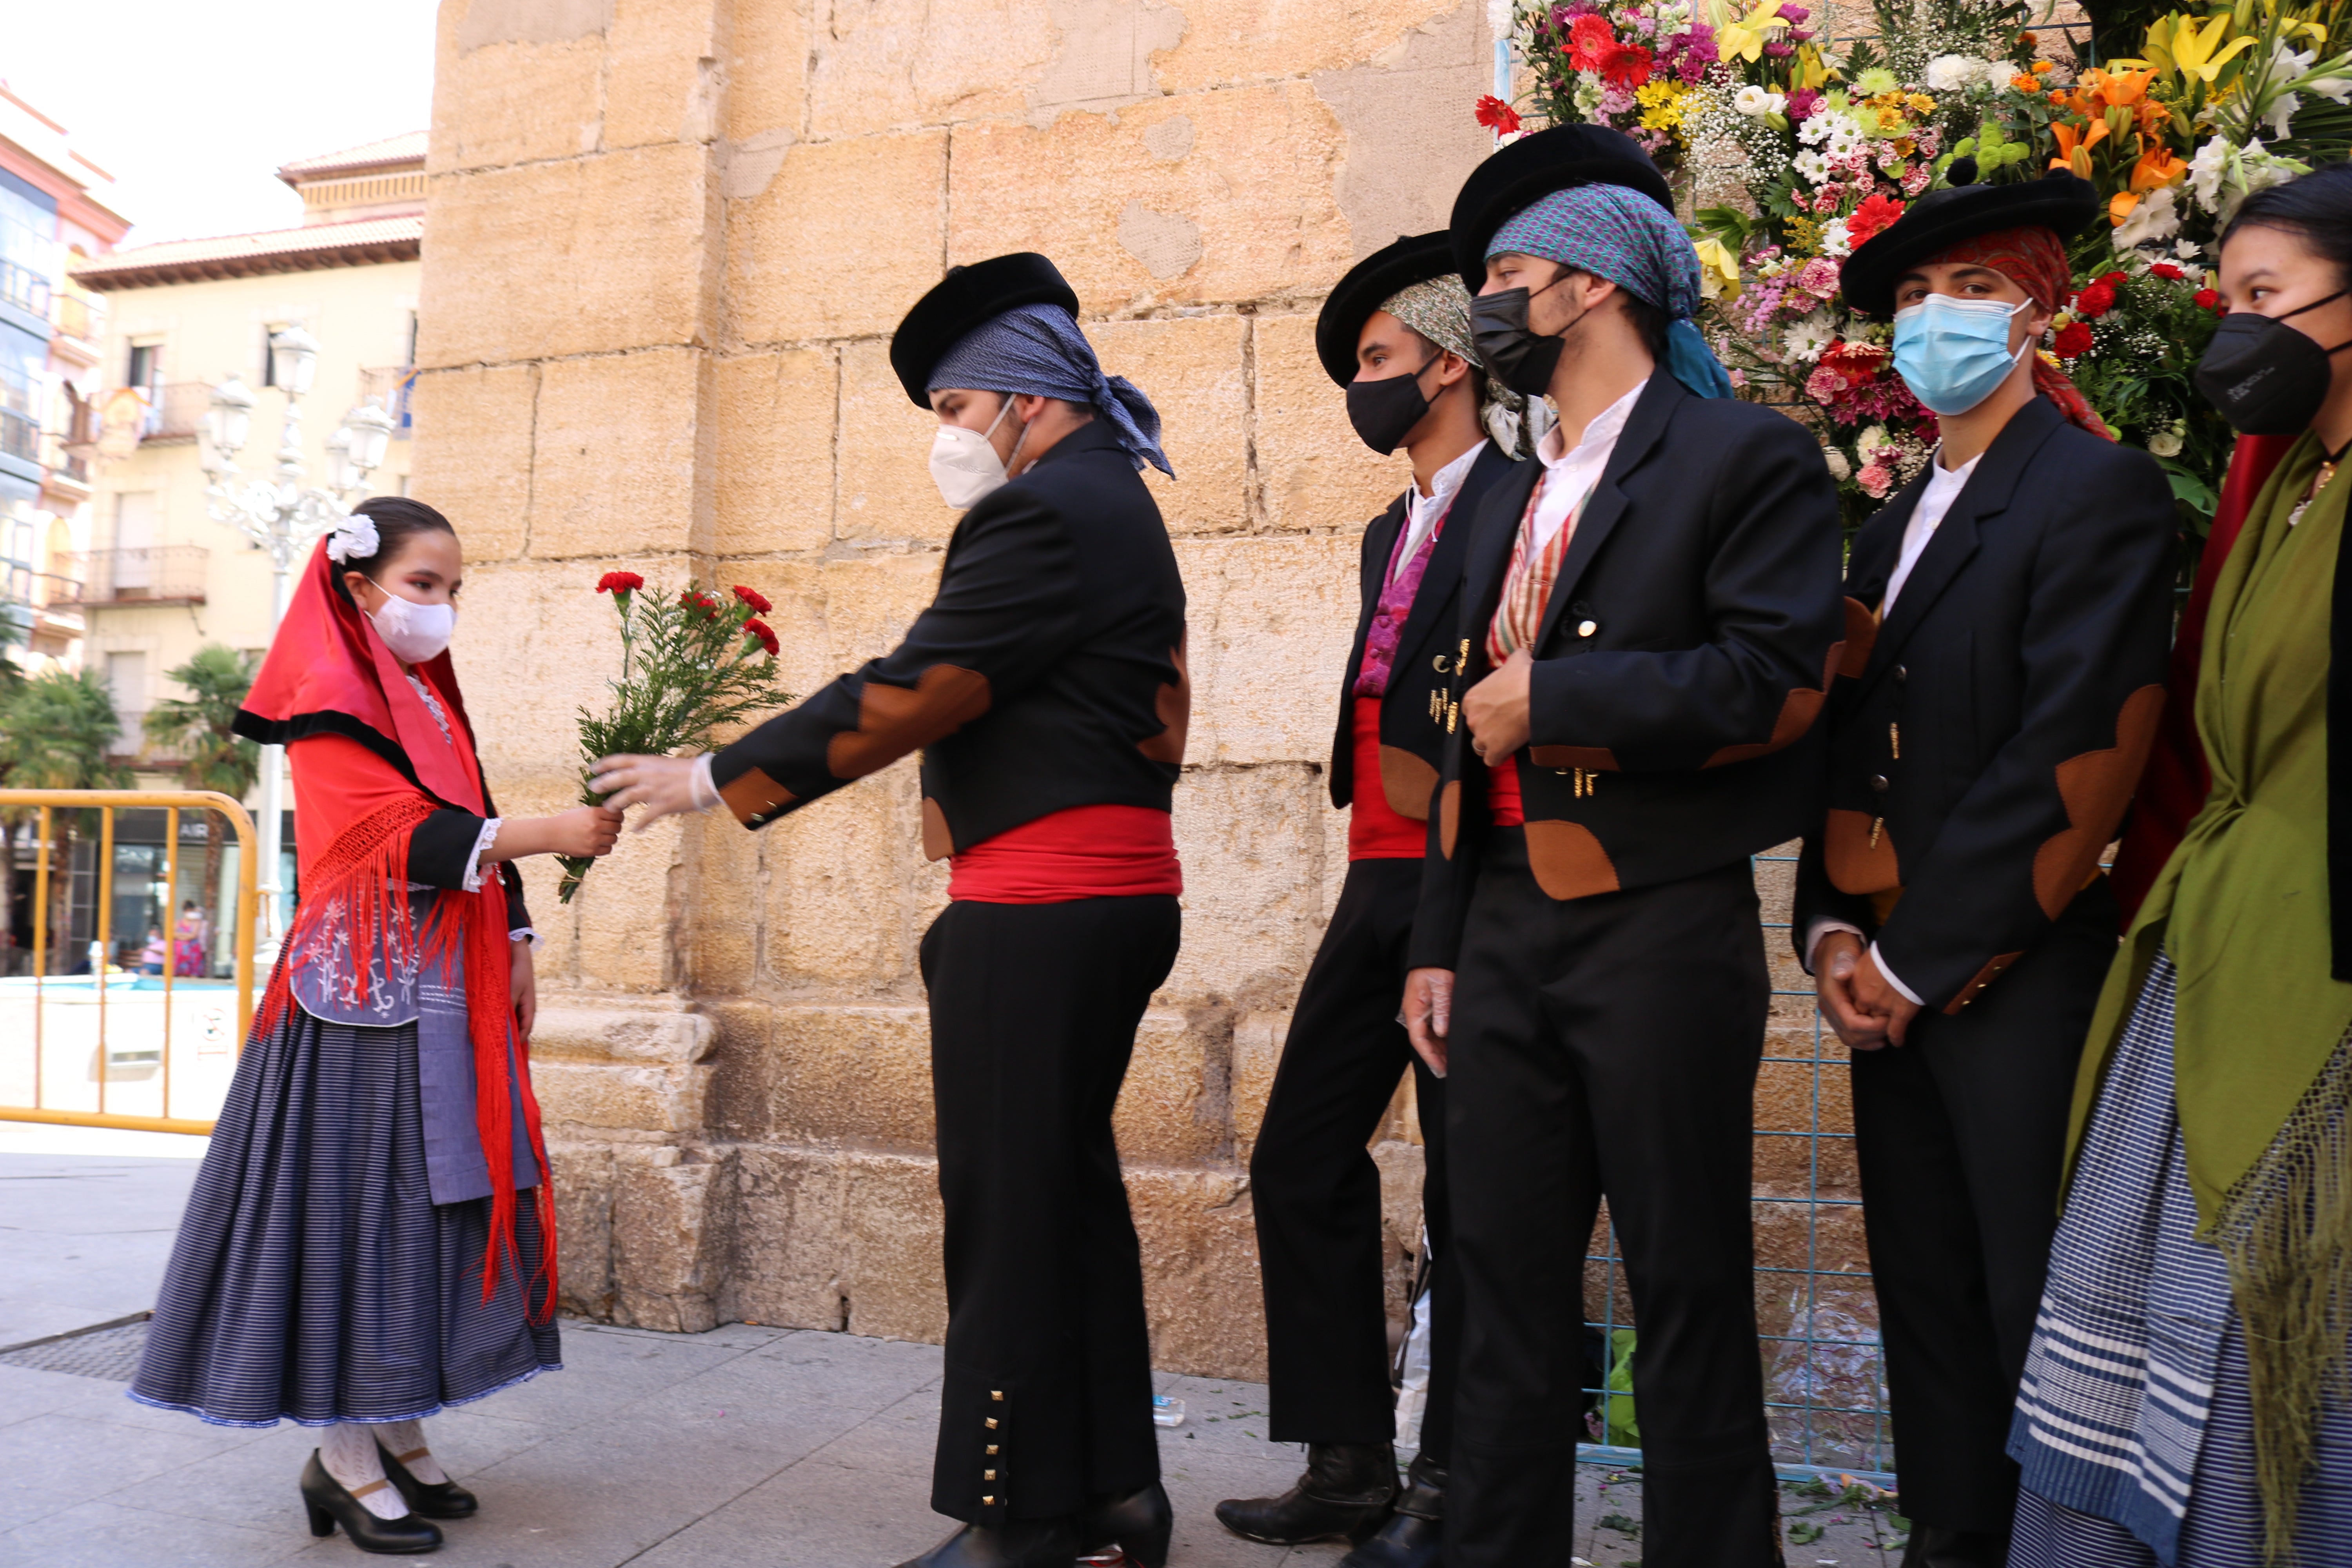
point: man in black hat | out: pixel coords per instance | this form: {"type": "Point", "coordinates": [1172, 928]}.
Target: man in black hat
{"type": "Point", "coordinates": [1651, 622]}
{"type": "Point", "coordinates": [1395, 336]}
{"type": "Point", "coordinates": [1950, 903]}
{"type": "Point", "coordinates": [1046, 687]}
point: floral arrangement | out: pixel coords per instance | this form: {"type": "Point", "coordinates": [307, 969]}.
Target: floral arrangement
{"type": "Point", "coordinates": [689, 663]}
{"type": "Point", "coordinates": [1791, 153]}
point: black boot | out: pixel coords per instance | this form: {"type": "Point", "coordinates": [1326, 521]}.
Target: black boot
{"type": "Point", "coordinates": [1415, 1535]}
{"type": "Point", "coordinates": [428, 1499]}
{"type": "Point", "coordinates": [1139, 1524]}
{"type": "Point", "coordinates": [1934, 1546]}
{"type": "Point", "coordinates": [330, 1504]}
{"type": "Point", "coordinates": [1020, 1544]}
{"type": "Point", "coordinates": [1343, 1496]}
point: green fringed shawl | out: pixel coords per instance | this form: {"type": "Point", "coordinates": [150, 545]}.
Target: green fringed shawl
{"type": "Point", "coordinates": [2262, 1069]}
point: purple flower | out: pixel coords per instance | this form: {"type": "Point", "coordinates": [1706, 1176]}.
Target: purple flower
{"type": "Point", "coordinates": [1793, 15]}
{"type": "Point", "coordinates": [1802, 104]}
{"type": "Point", "coordinates": [1800, 35]}
{"type": "Point", "coordinates": [1779, 51]}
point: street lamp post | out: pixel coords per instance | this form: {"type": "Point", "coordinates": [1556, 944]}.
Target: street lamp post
{"type": "Point", "coordinates": [283, 516]}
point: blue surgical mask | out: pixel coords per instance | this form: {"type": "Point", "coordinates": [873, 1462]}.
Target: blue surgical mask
{"type": "Point", "coordinates": [1952, 352]}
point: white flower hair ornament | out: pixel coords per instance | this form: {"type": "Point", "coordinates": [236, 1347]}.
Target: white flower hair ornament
{"type": "Point", "coordinates": [355, 540]}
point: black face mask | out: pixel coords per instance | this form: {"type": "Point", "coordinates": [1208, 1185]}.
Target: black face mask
{"type": "Point", "coordinates": [1385, 411]}
{"type": "Point", "coordinates": [2266, 378]}
{"type": "Point", "coordinates": [1521, 358]}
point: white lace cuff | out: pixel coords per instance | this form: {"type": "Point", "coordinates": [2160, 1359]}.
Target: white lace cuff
{"type": "Point", "coordinates": [482, 842]}
{"type": "Point", "coordinates": [524, 933]}
{"type": "Point", "coordinates": [706, 794]}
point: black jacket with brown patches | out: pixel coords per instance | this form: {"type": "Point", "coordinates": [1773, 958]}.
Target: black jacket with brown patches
{"type": "Point", "coordinates": [1689, 642]}
{"type": "Point", "coordinates": [1048, 672]}
{"type": "Point", "coordinates": [1421, 677]}
{"type": "Point", "coordinates": [1984, 757]}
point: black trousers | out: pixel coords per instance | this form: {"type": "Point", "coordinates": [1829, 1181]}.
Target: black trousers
{"type": "Point", "coordinates": [1046, 1402]}
{"type": "Point", "coordinates": [1608, 1046]}
{"type": "Point", "coordinates": [1960, 1133]}
{"type": "Point", "coordinates": [1318, 1193]}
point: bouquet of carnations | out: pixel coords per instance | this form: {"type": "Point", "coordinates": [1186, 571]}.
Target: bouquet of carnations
{"type": "Point", "coordinates": [689, 663]}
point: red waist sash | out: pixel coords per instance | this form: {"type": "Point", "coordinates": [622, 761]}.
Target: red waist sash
{"type": "Point", "coordinates": [1503, 794]}
{"type": "Point", "coordinates": [1375, 829]}
{"type": "Point", "coordinates": [1084, 852]}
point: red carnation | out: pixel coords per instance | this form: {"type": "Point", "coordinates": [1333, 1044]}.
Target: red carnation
{"type": "Point", "coordinates": [1873, 215]}
{"type": "Point", "coordinates": [2208, 300]}
{"type": "Point", "coordinates": [2095, 300]}
{"type": "Point", "coordinates": [1589, 42]}
{"type": "Point", "coordinates": [696, 599]}
{"type": "Point", "coordinates": [619, 582]}
{"type": "Point", "coordinates": [754, 597]}
{"type": "Point", "coordinates": [2166, 270]}
{"type": "Point", "coordinates": [1498, 116]}
{"type": "Point", "coordinates": [756, 627]}
{"type": "Point", "coordinates": [1626, 66]}
{"type": "Point", "coordinates": [2073, 340]}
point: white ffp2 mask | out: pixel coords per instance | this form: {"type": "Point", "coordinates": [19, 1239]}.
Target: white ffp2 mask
{"type": "Point", "coordinates": [964, 463]}
{"type": "Point", "coordinates": [414, 632]}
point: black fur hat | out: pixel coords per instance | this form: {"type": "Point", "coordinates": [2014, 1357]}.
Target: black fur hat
{"type": "Point", "coordinates": [962, 300]}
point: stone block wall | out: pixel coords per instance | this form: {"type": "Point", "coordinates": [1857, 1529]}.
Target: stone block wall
{"type": "Point", "coordinates": [665, 243]}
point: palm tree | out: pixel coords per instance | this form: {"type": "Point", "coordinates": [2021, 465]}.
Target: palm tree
{"type": "Point", "coordinates": [56, 731]}
{"type": "Point", "coordinates": [199, 725]}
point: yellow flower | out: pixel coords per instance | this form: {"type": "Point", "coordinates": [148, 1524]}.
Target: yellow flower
{"type": "Point", "coordinates": [1920, 103]}
{"type": "Point", "coordinates": [1743, 40]}
{"type": "Point", "coordinates": [1662, 105]}
{"type": "Point", "coordinates": [2199, 52]}
{"type": "Point", "coordinates": [1718, 270]}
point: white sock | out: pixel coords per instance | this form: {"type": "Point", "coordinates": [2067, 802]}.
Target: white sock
{"type": "Point", "coordinates": [348, 1451]}
{"type": "Point", "coordinates": [404, 1441]}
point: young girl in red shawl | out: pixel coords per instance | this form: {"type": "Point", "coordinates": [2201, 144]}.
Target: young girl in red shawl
{"type": "Point", "coordinates": [372, 1236]}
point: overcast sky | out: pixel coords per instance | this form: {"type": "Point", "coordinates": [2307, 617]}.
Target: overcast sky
{"type": "Point", "coordinates": [193, 107]}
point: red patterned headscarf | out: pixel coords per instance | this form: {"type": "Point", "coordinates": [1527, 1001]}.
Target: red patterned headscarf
{"type": "Point", "coordinates": [2033, 259]}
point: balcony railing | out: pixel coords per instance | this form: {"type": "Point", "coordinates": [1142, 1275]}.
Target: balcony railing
{"type": "Point", "coordinates": [80, 316]}
{"type": "Point", "coordinates": [390, 384]}
{"type": "Point", "coordinates": [20, 584]}
{"type": "Point", "coordinates": [20, 436]}
{"type": "Point", "coordinates": [175, 410]}
{"type": "Point", "coordinates": [59, 455]}
{"type": "Point", "coordinates": [161, 574]}
{"type": "Point", "coordinates": [27, 289]}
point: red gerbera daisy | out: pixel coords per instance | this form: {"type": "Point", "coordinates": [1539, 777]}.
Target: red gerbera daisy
{"type": "Point", "coordinates": [1625, 66]}
{"type": "Point", "coordinates": [1873, 215]}
{"type": "Point", "coordinates": [1498, 116]}
{"type": "Point", "coordinates": [1589, 42]}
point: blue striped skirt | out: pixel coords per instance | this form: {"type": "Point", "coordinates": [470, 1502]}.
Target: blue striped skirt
{"type": "Point", "coordinates": [314, 1279]}
{"type": "Point", "coordinates": [2135, 1428]}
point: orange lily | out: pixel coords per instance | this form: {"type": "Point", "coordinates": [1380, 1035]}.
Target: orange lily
{"type": "Point", "coordinates": [2157, 167]}
{"type": "Point", "coordinates": [2119, 206]}
{"type": "Point", "coordinates": [2074, 153]}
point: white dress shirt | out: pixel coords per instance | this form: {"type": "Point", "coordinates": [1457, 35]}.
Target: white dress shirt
{"type": "Point", "coordinates": [1422, 512]}
{"type": "Point", "coordinates": [1943, 487]}
{"type": "Point", "coordinates": [1570, 476]}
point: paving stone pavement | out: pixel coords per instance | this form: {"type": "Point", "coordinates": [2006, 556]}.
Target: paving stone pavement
{"type": "Point", "coordinates": [743, 1448]}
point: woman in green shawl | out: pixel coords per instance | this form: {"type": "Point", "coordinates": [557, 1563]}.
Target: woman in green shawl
{"type": "Point", "coordinates": [2184, 1402]}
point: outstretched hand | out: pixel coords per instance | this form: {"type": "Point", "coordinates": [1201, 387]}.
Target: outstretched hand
{"type": "Point", "coordinates": [664, 786]}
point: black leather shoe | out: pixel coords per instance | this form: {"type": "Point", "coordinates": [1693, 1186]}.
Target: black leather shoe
{"type": "Point", "coordinates": [1139, 1524]}
{"type": "Point", "coordinates": [1023, 1544]}
{"type": "Point", "coordinates": [1415, 1535]}
{"type": "Point", "coordinates": [428, 1499]}
{"type": "Point", "coordinates": [329, 1504]}
{"type": "Point", "coordinates": [1934, 1546]}
{"type": "Point", "coordinates": [1344, 1496]}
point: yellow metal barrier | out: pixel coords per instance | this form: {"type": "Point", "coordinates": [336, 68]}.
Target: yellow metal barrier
{"type": "Point", "coordinates": [107, 801]}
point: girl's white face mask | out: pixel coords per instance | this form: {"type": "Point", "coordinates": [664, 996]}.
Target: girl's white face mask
{"type": "Point", "coordinates": [964, 463]}
{"type": "Point", "coordinates": [414, 632]}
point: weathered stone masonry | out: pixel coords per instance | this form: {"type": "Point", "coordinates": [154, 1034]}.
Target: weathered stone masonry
{"type": "Point", "coordinates": [666, 241]}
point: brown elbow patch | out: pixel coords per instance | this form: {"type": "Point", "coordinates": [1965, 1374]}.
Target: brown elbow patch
{"type": "Point", "coordinates": [1449, 817]}
{"type": "Point", "coordinates": [1797, 711]}
{"type": "Point", "coordinates": [1174, 704]}
{"type": "Point", "coordinates": [1984, 977]}
{"type": "Point", "coordinates": [2096, 787]}
{"type": "Point", "coordinates": [938, 842]}
{"type": "Point", "coordinates": [892, 721]}
{"type": "Point", "coordinates": [754, 798]}
{"type": "Point", "coordinates": [1406, 781]}
{"type": "Point", "coordinates": [1569, 861]}
{"type": "Point", "coordinates": [1854, 864]}
{"type": "Point", "coordinates": [1591, 759]}
{"type": "Point", "coordinates": [1852, 656]}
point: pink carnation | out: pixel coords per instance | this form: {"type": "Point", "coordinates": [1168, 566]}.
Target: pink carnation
{"type": "Point", "coordinates": [1823, 385]}
{"type": "Point", "coordinates": [1820, 277]}
{"type": "Point", "coordinates": [1802, 104]}
{"type": "Point", "coordinates": [1918, 179]}
{"type": "Point", "coordinates": [1875, 480]}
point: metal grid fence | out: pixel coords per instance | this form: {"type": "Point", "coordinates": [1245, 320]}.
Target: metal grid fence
{"type": "Point", "coordinates": [1825, 1375]}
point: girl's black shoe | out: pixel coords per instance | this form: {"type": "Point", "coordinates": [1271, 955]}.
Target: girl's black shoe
{"type": "Point", "coordinates": [1139, 1523]}
{"type": "Point", "coordinates": [329, 1503]}
{"type": "Point", "coordinates": [1021, 1544]}
{"type": "Point", "coordinates": [430, 1499]}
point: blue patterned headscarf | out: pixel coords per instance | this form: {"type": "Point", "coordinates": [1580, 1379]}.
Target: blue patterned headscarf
{"type": "Point", "coordinates": [1037, 349]}
{"type": "Point", "coordinates": [1622, 234]}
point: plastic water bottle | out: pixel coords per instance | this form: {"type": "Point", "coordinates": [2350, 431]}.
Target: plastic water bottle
{"type": "Point", "coordinates": [1167, 1412]}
